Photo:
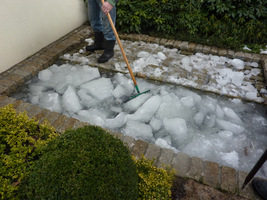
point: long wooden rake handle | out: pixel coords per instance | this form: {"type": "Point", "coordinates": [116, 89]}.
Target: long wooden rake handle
{"type": "Point", "coordinates": [122, 50]}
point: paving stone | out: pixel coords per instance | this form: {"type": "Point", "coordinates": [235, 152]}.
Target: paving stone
{"type": "Point", "coordinates": [248, 191]}
{"type": "Point", "coordinates": [139, 148]}
{"type": "Point", "coordinates": [16, 103]}
{"type": "Point", "coordinates": [240, 55]}
{"type": "Point", "coordinates": [211, 174]}
{"type": "Point", "coordinates": [192, 47]}
{"type": "Point", "coordinates": [229, 179]}
{"type": "Point", "coordinates": [163, 41]}
{"type": "Point", "coordinates": [196, 169]}
{"type": "Point", "coordinates": [170, 43]}
{"type": "Point", "coordinates": [136, 37]}
{"type": "Point", "coordinates": [165, 158]}
{"type": "Point", "coordinates": [10, 84]}
{"type": "Point", "coordinates": [181, 163]}
{"type": "Point", "coordinates": [59, 122]}
{"type": "Point", "coordinates": [206, 49]}
{"type": "Point", "coordinates": [48, 61]}
{"type": "Point", "coordinates": [222, 52]}
{"type": "Point", "coordinates": [32, 111]}
{"type": "Point", "coordinates": [68, 124]}
{"type": "Point", "coordinates": [199, 48]}
{"type": "Point", "coordinates": [230, 53]}
{"type": "Point", "coordinates": [115, 134]}
{"type": "Point", "coordinates": [16, 78]}
{"type": "Point", "coordinates": [256, 57]}
{"type": "Point", "coordinates": [4, 90]}
{"type": "Point", "coordinates": [214, 50]}
{"type": "Point", "coordinates": [156, 40]}
{"type": "Point", "coordinates": [123, 36]}
{"type": "Point", "coordinates": [128, 140]}
{"type": "Point", "coordinates": [30, 70]}
{"type": "Point", "coordinates": [51, 117]}
{"type": "Point", "coordinates": [23, 107]}
{"type": "Point", "coordinates": [248, 57]}
{"type": "Point", "coordinates": [176, 44]}
{"type": "Point", "coordinates": [144, 37]}
{"type": "Point", "coordinates": [152, 152]}
{"type": "Point", "coordinates": [81, 124]}
{"type": "Point", "coordinates": [26, 74]}
{"type": "Point", "coordinates": [184, 45]}
{"type": "Point", "coordinates": [3, 100]}
{"type": "Point", "coordinates": [40, 116]}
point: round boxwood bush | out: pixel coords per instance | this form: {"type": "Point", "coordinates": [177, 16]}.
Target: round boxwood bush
{"type": "Point", "coordinates": [87, 163]}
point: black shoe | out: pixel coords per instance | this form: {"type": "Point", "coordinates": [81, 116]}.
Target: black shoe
{"type": "Point", "coordinates": [108, 52]}
{"type": "Point", "coordinates": [260, 186]}
{"type": "Point", "coordinates": [98, 43]}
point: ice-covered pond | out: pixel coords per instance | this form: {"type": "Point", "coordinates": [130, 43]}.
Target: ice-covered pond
{"type": "Point", "coordinates": [227, 131]}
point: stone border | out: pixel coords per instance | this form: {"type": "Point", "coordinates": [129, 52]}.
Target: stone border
{"type": "Point", "coordinates": [209, 173]}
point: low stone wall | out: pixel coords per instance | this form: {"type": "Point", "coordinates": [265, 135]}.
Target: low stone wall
{"type": "Point", "coordinates": [209, 173]}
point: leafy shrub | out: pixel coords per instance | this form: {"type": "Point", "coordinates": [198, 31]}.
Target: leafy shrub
{"type": "Point", "coordinates": [87, 163]}
{"type": "Point", "coordinates": [21, 142]}
{"type": "Point", "coordinates": [234, 22]}
{"type": "Point", "coordinates": [154, 183]}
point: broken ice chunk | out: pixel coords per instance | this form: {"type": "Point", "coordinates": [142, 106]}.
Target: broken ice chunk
{"type": "Point", "coordinates": [100, 88]}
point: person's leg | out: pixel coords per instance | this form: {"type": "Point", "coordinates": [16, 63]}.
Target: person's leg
{"type": "Point", "coordinates": [95, 15]}
{"type": "Point", "coordinates": [95, 18]}
{"type": "Point", "coordinates": [109, 35]}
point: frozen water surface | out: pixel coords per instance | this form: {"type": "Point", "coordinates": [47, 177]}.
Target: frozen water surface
{"type": "Point", "coordinates": [227, 131]}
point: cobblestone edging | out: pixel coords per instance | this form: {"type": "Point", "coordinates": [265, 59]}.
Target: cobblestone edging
{"type": "Point", "coordinates": [206, 172]}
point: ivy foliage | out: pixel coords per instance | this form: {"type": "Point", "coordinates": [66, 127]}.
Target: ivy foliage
{"type": "Point", "coordinates": [21, 143]}
{"type": "Point", "coordinates": [232, 21]}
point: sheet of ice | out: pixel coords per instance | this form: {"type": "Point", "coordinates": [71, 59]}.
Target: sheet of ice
{"type": "Point", "coordinates": [230, 158]}
{"type": "Point", "coordinates": [123, 86]}
{"type": "Point", "coordinates": [45, 75]}
{"type": "Point", "coordinates": [51, 101]}
{"type": "Point", "coordinates": [86, 99]}
{"type": "Point", "coordinates": [138, 130]}
{"type": "Point", "coordinates": [135, 103]}
{"type": "Point", "coordinates": [229, 112]}
{"type": "Point", "coordinates": [255, 71]}
{"type": "Point", "coordinates": [161, 56]}
{"type": "Point", "coordinates": [165, 144]}
{"type": "Point", "coordinates": [177, 128]}
{"type": "Point", "coordinates": [155, 124]}
{"type": "Point", "coordinates": [116, 122]}
{"type": "Point", "coordinates": [92, 116]}
{"type": "Point", "coordinates": [100, 88]}
{"type": "Point", "coordinates": [238, 64]}
{"type": "Point", "coordinates": [229, 126]}
{"type": "Point", "coordinates": [147, 110]}
{"type": "Point", "coordinates": [71, 101]}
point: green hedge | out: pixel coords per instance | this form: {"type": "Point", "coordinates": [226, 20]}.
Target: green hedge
{"type": "Point", "coordinates": [21, 143]}
{"type": "Point", "coordinates": [229, 22]}
{"type": "Point", "coordinates": [87, 163]}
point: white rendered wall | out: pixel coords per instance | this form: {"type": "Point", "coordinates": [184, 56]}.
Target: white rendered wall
{"type": "Point", "coordinates": [26, 26]}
